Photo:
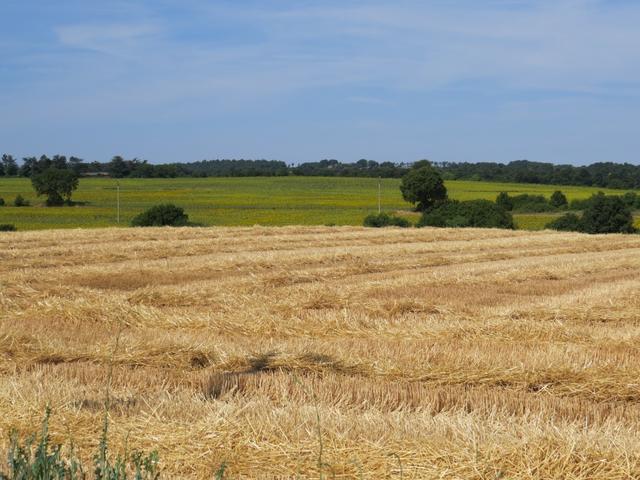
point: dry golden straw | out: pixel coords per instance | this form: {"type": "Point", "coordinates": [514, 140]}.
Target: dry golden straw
{"type": "Point", "coordinates": [475, 354]}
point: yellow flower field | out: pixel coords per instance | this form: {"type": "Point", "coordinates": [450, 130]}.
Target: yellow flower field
{"type": "Point", "coordinates": [247, 201]}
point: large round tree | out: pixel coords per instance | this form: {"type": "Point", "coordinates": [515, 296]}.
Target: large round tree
{"type": "Point", "coordinates": [57, 184]}
{"type": "Point", "coordinates": [423, 186]}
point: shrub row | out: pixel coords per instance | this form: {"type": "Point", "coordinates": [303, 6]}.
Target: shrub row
{"type": "Point", "coordinates": [385, 220]}
{"type": "Point", "coordinates": [473, 213]}
{"type": "Point", "coordinates": [603, 214]}
{"type": "Point", "coordinates": [630, 199]}
{"type": "Point", "coordinates": [19, 201]}
{"type": "Point", "coordinates": [527, 203]}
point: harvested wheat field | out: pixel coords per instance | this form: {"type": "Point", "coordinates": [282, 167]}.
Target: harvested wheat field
{"type": "Point", "coordinates": [425, 353]}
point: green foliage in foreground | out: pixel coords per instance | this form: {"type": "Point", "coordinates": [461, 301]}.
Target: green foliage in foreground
{"type": "Point", "coordinates": [250, 201]}
{"type": "Point", "coordinates": [7, 227]}
{"type": "Point", "coordinates": [385, 220]}
{"type": "Point", "coordinates": [472, 213]}
{"type": "Point", "coordinates": [38, 459]}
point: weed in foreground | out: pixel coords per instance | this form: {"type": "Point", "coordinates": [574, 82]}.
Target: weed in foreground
{"type": "Point", "coordinates": [27, 461]}
{"type": "Point", "coordinates": [38, 459]}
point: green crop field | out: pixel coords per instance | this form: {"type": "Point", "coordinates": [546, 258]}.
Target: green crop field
{"type": "Point", "coordinates": [246, 201]}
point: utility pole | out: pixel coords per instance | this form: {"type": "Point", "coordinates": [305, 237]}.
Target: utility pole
{"type": "Point", "coordinates": [379, 196]}
{"type": "Point", "coordinates": [118, 201]}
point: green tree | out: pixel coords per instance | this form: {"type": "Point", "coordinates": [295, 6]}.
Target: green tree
{"type": "Point", "coordinates": [20, 201]}
{"type": "Point", "coordinates": [423, 187]}
{"type": "Point", "coordinates": [9, 165]}
{"type": "Point", "coordinates": [118, 167]}
{"type": "Point", "coordinates": [57, 184]}
{"type": "Point", "coordinates": [607, 214]}
{"type": "Point", "coordinates": [421, 163]}
{"type": "Point", "coordinates": [76, 165]}
{"type": "Point", "coordinates": [28, 166]}
{"type": "Point", "coordinates": [504, 201]}
{"type": "Point", "coordinates": [558, 199]}
{"type": "Point", "coordinates": [632, 200]}
{"type": "Point", "coordinates": [59, 161]}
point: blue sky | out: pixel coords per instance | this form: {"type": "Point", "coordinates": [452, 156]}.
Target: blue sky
{"type": "Point", "coordinates": [456, 80]}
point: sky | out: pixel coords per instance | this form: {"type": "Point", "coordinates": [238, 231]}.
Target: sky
{"type": "Point", "coordinates": [301, 80]}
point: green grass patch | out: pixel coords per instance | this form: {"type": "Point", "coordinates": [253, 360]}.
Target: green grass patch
{"type": "Point", "coordinates": [247, 201]}
{"type": "Point", "coordinates": [534, 221]}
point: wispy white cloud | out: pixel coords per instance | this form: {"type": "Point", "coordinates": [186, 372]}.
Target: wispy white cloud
{"type": "Point", "coordinates": [105, 38]}
{"type": "Point", "coordinates": [562, 44]}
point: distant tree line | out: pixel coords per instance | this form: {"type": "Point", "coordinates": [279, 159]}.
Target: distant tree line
{"type": "Point", "coordinates": [120, 167]}
{"type": "Point", "coordinates": [361, 168]}
{"type": "Point", "coordinates": [602, 175]}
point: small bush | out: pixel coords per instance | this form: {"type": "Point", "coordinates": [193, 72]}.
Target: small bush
{"type": "Point", "coordinates": [20, 201]}
{"type": "Point", "coordinates": [569, 222]}
{"type": "Point", "coordinates": [632, 200]}
{"type": "Point", "coordinates": [604, 214]}
{"type": "Point", "coordinates": [607, 214]}
{"type": "Point", "coordinates": [7, 227]}
{"type": "Point", "coordinates": [558, 200]}
{"type": "Point", "coordinates": [385, 220]}
{"type": "Point", "coordinates": [473, 213]}
{"type": "Point", "coordinates": [162, 215]}
{"type": "Point", "coordinates": [2, 202]}
{"type": "Point", "coordinates": [531, 203]}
